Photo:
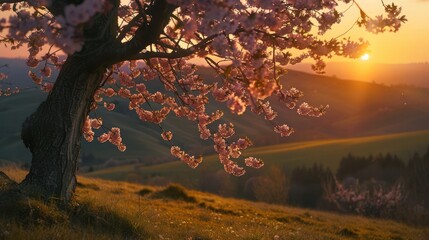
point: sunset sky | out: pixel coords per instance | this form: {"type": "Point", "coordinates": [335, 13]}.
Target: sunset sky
{"type": "Point", "coordinates": [409, 45]}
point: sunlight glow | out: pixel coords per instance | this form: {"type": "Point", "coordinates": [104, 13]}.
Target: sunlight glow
{"type": "Point", "coordinates": [365, 57]}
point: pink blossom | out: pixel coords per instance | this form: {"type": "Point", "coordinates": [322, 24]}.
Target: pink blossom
{"type": "Point", "coordinates": [254, 162]}
{"type": "Point", "coordinates": [36, 79]}
{"type": "Point", "coordinates": [284, 130]}
{"type": "Point", "coordinates": [167, 136]}
{"type": "Point", "coordinates": [47, 87]}
{"type": "Point", "coordinates": [32, 62]}
{"type": "Point", "coordinates": [236, 105]}
{"type": "Point", "coordinates": [307, 110]}
{"type": "Point", "coordinates": [96, 123]}
{"type": "Point", "coordinates": [2, 76]}
{"type": "Point", "coordinates": [104, 137]}
{"type": "Point", "coordinates": [190, 160]}
{"type": "Point", "coordinates": [46, 71]}
{"type": "Point", "coordinates": [110, 92]}
{"type": "Point", "coordinates": [109, 106]}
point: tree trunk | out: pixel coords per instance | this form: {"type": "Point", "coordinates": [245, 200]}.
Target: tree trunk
{"type": "Point", "coordinates": [53, 133]}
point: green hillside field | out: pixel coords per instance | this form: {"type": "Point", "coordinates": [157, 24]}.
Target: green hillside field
{"type": "Point", "coordinates": [288, 156]}
{"type": "Point", "coordinates": [118, 210]}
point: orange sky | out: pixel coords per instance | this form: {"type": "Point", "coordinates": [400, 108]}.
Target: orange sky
{"type": "Point", "coordinates": [410, 44]}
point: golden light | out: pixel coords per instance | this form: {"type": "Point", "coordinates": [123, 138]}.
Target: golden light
{"type": "Point", "coordinates": [364, 57]}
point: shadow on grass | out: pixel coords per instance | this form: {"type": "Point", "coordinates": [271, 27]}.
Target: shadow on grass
{"type": "Point", "coordinates": [218, 210]}
{"type": "Point", "coordinates": [88, 186]}
{"type": "Point", "coordinates": [293, 219]}
{"type": "Point", "coordinates": [346, 232]}
{"type": "Point", "coordinates": [17, 207]}
{"type": "Point", "coordinates": [104, 220]}
{"type": "Point", "coordinates": [144, 192]}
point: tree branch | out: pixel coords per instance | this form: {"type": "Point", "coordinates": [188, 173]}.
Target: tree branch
{"type": "Point", "coordinates": [172, 55]}
{"type": "Point", "coordinates": [134, 22]}
{"type": "Point", "coordinates": [160, 12]}
{"type": "Point", "coordinates": [178, 53]}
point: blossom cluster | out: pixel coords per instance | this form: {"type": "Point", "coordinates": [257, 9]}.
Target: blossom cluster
{"type": "Point", "coordinates": [306, 110]}
{"type": "Point", "coordinates": [2, 76]}
{"type": "Point", "coordinates": [38, 30]}
{"type": "Point", "coordinates": [391, 22]}
{"type": "Point", "coordinates": [290, 97]}
{"type": "Point", "coordinates": [190, 160]}
{"type": "Point", "coordinates": [78, 14]}
{"type": "Point", "coordinates": [227, 151]}
{"type": "Point", "coordinates": [9, 91]}
{"type": "Point", "coordinates": [113, 135]}
{"type": "Point", "coordinates": [284, 130]}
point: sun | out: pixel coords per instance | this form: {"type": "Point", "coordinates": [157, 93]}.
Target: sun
{"type": "Point", "coordinates": [365, 57]}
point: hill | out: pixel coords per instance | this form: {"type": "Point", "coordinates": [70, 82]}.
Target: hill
{"type": "Point", "coordinates": [17, 71]}
{"type": "Point", "coordinates": [286, 156]}
{"type": "Point", "coordinates": [356, 109]}
{"type": "Point", "coordinates": [112, 210]}
{"type": "Point", "coordinates": [412, 74]}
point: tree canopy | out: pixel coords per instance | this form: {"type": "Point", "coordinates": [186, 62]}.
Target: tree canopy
{"type": "Point", "coordinates": [248, 44]}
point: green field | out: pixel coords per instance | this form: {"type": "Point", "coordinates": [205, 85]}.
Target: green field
{"type": "Point", "coordinates": [291, 155]}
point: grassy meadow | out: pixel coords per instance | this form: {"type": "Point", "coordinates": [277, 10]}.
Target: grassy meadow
{"type": "Point", "coordinates": [118, 210]}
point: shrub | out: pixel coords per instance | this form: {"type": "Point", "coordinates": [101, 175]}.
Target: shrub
{"type": "Point", "coordinates": [174, 192]}
{"type": "Point", "coordinates": [371, 199]}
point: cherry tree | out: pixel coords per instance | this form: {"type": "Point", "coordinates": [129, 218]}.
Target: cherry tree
{"type": "Point", "coordinates": [115, 48]}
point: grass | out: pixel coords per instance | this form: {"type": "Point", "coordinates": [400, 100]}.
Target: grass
{"type": "Point", "coordinates": [326, 152]}
{"type": "Point", "coordinates": [115, 210]}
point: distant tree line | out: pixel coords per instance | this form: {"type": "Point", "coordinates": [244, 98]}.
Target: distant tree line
{"type": "Point", "coordinates": [382, 186]}
{"type": "Point", "coordinates": [377, 185]}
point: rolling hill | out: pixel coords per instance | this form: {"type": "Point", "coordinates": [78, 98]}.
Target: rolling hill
{"type": "Point", "coordinates": [287, 156]}
{"type": "Point", "coordinates": [118, 210]}
{"type": "Point", "coordinates": [411, 74]}
{"type": "Point", "coordinates": [356, 109]}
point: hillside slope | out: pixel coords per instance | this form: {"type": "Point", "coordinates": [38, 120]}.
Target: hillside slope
{"type": "Point", "coordinates": [286, 156]}
{"type": "Point", "coordinates": [356, 109]}
{"type": "Point", "coordinates": [112, 210]}
{"type": "Point", "coordinates": [412, 74]}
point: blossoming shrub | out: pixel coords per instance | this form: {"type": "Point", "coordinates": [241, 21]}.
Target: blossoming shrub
{"type": "Point", "coordinates": [371, 199]}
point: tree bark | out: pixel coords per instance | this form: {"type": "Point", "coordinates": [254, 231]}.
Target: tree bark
{"type": "Point", "coordinates": [53, 133]}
